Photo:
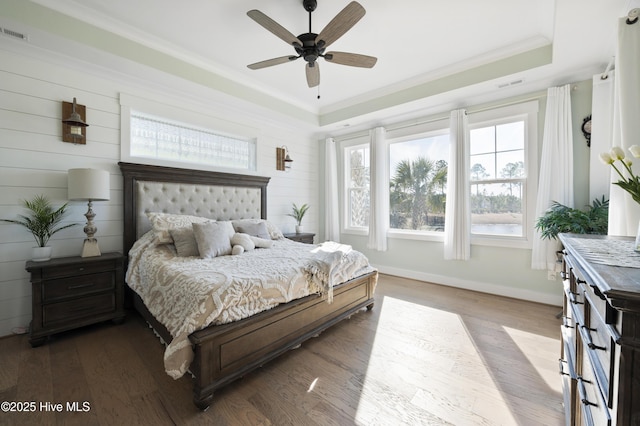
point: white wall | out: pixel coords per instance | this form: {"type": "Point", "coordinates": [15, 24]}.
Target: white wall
{"type": "Point", "coordinates": [34, 160]}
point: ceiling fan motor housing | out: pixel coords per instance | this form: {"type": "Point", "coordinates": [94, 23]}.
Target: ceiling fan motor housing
{"type": "Point", "coordinates": [309, 50]}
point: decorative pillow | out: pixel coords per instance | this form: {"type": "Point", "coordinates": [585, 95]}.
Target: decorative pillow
{"type": "Point", "coordinates": [273, 231]}
{"type": "Point", "coordinates": [258, 229]}
{"type": "Point", "coordinates": [213, 238]}
{"type": "Point", "coordinates": [185, 241]}
{"type": "Point", "coordinates": [163, 222]}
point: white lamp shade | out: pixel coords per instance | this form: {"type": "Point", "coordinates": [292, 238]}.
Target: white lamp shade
{"type": "Point", "coordinates": [88, 184]}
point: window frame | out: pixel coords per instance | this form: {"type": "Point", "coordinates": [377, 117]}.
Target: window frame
{"type": "Point", "coordinates": [345, 205]}
{"type": "Point", "coordinates": [527, 112]}
{"type": "Point", "coordinates": [183, 115]}
{"type": "Point", "coordinates": [436, 128]}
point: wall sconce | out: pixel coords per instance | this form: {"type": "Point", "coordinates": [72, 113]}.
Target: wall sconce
{"type": "Point", "coordinates": [89, 185]}
{"type": "Point", "coordinates": [283, 160]}
{"type": "Point", "coordinates": [73, 128]}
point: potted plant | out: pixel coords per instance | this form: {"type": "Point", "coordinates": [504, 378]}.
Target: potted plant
{"type": "Point", "coordinates": [560, 218]}
{"type": "Point", "coordinates": [42, 221]}
{"type": "Point", "coordinates": [298, 213]}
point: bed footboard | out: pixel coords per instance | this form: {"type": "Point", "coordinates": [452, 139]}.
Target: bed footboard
{"type": "Point", "coordinates": [227, 352]}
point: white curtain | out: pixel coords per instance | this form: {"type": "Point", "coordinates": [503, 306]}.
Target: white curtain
{"type": "Point", "coordinates": [332, 209]}
{"type": "Point", "coordinates": [556, 170]}
{"type": "Point", "coordinates": [624, 213]}
{"type": "Point", "coordinates": [379, 190]}
{"type": "Point", "coordinates": [457, 224]}
{"type": "Point", "coordinates": [601, 131]}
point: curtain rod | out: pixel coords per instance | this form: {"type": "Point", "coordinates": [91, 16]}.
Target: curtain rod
{"type": "Point", "coordinates": [443, 116]}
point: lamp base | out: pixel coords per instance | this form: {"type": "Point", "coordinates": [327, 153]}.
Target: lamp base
{"type": "Point", "coordinates": [90, 248]}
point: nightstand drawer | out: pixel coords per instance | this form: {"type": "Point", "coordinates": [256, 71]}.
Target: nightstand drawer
{"type": "Point", "coordinates": [74, 309]}
{"type": "Point", "coordinates": [76, 269]}
{"type": "Point", "coordinates": [71, 287]}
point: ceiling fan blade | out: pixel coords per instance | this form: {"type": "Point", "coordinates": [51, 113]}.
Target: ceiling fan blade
{"type": "Point", "coordinates": [313, 74]}
{"type": "Point", "coordinates": [272, 62]}
{"type": "Point", "coordinates": [351, 59]}
{"type": "Point", "coordinates": [339, 25]}
{"type": "Point", "coordinates": [273, 27]}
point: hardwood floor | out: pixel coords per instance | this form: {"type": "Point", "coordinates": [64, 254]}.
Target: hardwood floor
{"type": "Point", "coordinates": [426, 354]}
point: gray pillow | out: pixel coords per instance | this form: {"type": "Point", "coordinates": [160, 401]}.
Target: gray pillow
{"type": "Point", "coordinates": [185, 241]}
{"type": "Point", "coordinates": [254, 229]}
{"type": "Point", "coordinates": [213, 238]}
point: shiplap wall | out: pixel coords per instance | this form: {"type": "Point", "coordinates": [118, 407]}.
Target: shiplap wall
{"type": "Point", "coordinates": [34, 160]}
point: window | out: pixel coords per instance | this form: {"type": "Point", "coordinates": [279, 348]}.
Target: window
{"type": "Point", "coordinates": [418, 182]}
{"type": "Point", "coordinates": [152, 138]}
{"type": "Point", "coordinates": [502, 160]}
{"type": "Point", "coordinates": [184, 135]}
{"type": "Point", "coordinates": [356, 161]}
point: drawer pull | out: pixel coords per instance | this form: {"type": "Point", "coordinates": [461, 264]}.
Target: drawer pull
{"type": "Point", "coordinates": [583, 392]}
{"type": "Point", "coordinates": [75, 287]}
{"type": "Point", "coordinates": [565, 322]}
{"type": "Point", "coordinates": [590, 343]}
{"type": "Point", "coordinates": [561, 367]}
{"type": "Point", "coordinates": [82, 308]}
{"type": "Point", "coordinates": [572, 299]}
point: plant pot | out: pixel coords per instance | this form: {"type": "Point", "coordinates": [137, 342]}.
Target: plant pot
{"type": "Point", "coordinates": [299, 229]}
{"type": "Point", "coordinates": [41, 254]}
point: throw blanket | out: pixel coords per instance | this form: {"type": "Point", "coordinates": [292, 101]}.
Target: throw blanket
{"type": "Point", "coordinates": [322, 269]}
{"type": "Point", "coordinates": [188, 293]}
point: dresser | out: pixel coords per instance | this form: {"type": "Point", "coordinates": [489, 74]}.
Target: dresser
{"type": "Point", "coordinates": [71, 292]}
{"type": "Point", "coordinates": [600, 351]}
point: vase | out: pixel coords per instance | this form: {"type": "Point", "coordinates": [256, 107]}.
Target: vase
{"type": "Point", "coordinates": [41, 254]}
{"type": "Point", "coordinates": [299, 229]}
{"type": "Point", "coordinates": [636, 245]}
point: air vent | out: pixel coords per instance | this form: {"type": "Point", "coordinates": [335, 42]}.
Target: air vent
{"type": "Point", "coordinates": [510, 83]}
{"type": "Point", "coordinates": [10, 33]}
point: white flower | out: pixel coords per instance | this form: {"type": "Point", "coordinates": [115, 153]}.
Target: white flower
{"type": "Point", "coordinates": [635, 150]}
{"type": "Point", "coordinates": [617, 153]}
{"type": "Point", "coordinates": [628, 162]}
{"type": "Point", "coordinates": [605, 157]}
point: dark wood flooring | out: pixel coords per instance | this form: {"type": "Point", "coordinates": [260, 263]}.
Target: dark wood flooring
{"type": "Point", "coordinates": [426, 354]}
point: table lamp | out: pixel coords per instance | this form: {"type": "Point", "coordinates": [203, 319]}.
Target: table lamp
{"type": "Point", "coordinates": [89, 185]}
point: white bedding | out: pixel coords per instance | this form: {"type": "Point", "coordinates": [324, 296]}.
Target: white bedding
{"type": "Point", "coordinates": [188, 293]}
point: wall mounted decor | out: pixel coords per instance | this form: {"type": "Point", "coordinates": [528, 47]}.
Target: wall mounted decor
{"type": "Point", "coordinates": [74, 126]}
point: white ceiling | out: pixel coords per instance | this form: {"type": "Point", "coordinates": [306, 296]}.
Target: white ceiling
{"type": "Point", "coordinates": [415, 41]}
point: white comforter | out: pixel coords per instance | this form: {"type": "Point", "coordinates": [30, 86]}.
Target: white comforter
{"type": "Point", "coordinates": [188, 293]}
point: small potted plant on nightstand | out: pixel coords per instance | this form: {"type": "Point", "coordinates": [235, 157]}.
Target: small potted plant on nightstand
{"type": "Point", "coordinates": [298, 213]}
{"type": "Point", "coordinates": [42, 221]}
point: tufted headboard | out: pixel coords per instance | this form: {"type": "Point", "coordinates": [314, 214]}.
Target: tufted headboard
{"type": "Point", "coordinates": [220, 196]}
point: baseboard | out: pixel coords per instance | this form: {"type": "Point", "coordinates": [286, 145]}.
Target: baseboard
{"type": "Point", "coordinates": [516, 293]}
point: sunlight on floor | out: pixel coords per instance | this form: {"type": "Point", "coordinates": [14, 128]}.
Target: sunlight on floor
{"type": "Point", "coordinates": [430, 361]}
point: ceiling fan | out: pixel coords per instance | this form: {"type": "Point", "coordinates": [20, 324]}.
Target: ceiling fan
{"type": "Point", "coordinates": [311, 46]}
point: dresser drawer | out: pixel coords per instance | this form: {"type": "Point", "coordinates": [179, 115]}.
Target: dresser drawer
{"type": "Point", "coordinates": [71, 287]}
{"type": "Point", "coordinates": [600, 348]}
{"type": "Point", "coordinates": [77, 269]}
{"type": "Point", "coordinates": [91, 306]}
{"type": "Point", "coordinates": [591, 400]}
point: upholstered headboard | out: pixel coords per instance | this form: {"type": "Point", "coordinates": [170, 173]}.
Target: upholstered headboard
{"type": "Point", "coordinates": [220, 196]}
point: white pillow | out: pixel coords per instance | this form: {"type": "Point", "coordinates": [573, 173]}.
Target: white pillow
{"type": "Point", "coordinates": [213, 238]}
{"type": "Point", "coordinates": [162, 223]}
{"type": "Point", "coordinates": [272, 229]}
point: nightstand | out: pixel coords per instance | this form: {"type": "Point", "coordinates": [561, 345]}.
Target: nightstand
{"type": "Point", "coordinates": [303, 237]}
{"type": "Point", "coordinates": [71, 292]}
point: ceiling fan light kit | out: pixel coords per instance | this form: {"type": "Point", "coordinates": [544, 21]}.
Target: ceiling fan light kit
{"type": "Point", "coordinates": [311, 46]}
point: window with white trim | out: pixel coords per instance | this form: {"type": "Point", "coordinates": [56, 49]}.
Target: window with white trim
{"type": "Point", "coordinates": [503, 174]}
{"type": "Point", "coordinates": [356, 177]}
{"type": "Point", "coordinates": [163, 140]}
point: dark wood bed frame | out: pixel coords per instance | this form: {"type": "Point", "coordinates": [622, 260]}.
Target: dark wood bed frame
{"type": "Point", "coordinates": [227, 352]}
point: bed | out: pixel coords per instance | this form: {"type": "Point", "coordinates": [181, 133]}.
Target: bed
{"type": "Point", "coordinates": [222, 353]}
